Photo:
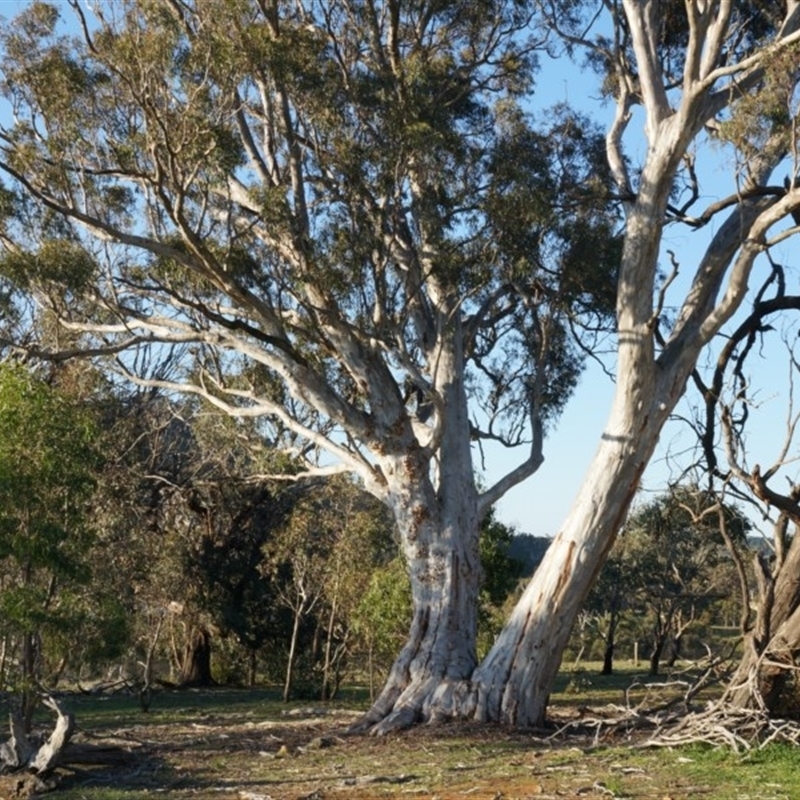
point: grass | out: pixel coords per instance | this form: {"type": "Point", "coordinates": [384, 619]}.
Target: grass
{"type": "Point", "coordinates": [226, 743]}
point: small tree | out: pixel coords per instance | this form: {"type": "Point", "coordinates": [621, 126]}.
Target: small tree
{"type": "Point", "coordinates": [321, 562]}
{"type": "Point", "coordinates": [675, 558]}
{"type": "Point", "coordinates": [610, 596]}
{"type": "Point", "coordinates": [48, 466]}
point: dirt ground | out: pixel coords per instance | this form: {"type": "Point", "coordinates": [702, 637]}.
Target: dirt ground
{"type": "Point", "coordinates": [308, 755]}
{"type": "Point", "coordinates": [238, 744]}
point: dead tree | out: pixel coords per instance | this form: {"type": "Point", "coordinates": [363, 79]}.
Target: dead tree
{"type": "Point", "coordinates": [771, 630]}
{"type": "Point", "coordinates": [21, 753]}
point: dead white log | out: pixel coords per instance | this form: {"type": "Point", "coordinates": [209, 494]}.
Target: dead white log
{"type": "Point", "coordinates": [48, 754]}
{"type": "Point", "coordinates": [17, 751]}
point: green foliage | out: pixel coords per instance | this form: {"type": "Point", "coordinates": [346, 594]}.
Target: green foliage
{"type": "Point", "coordinates": [383, 616]}
{"type": "Point", "coordinates": [501, 575]}
{"type": "Point", "coordinates": [321, 562]}
{"type": "Point", "coordinates": [153, 117]}
{"type": "Point", "coordinates": [668, 569]}
{"type": "Point", "coordinates": [768, 116]}
{"type": "Point", "coordinates": [59, 263]}
{"type": "Point", "coordinates": [48, 464]}
{"type": "Point", "coordinates": [48, 469]}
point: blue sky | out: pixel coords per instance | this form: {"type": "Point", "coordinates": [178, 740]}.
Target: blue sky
{"type": "Point", "coordinates": [541, 504]}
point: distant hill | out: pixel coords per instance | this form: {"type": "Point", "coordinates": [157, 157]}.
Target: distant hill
{"type": "Point", "coordinates": [528, 550]}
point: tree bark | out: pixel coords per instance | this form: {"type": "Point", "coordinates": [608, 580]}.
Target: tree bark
{"type": "Point", "coordinates": [196, 670]}
{"type": "Point", "coordinates": [772, 648]}
{"type": "Point", "coordinates": [655, 656]}
{"type": "Point", "coordinates": [610, 639]}
{"type": "Point", "coordinates": [252, 666]}
{"type": "Point", "coordinates": [19, 753]}
{"type": "Point", "coordinates": [289, 677]}
{"type": "Point", "coordinates": [438, 513]}
{"type": "Point", "coordinates": [428, 678]}
{"type": "Point", "coordinates": [608, 658]}
{"type": "Point", "coordinates": [28, 665]}
{"type": "Point", "coordinates": [515, 680]}
{"type": "Point", "coordinates": [327, 662]}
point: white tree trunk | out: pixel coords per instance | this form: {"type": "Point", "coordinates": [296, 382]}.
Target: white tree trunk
{"type": "Point", "coordinates": [439, 655]}
{"type": "Point", "coordinates": [439, 522]}
{"type": "Point", "coordinates": [514, 682]}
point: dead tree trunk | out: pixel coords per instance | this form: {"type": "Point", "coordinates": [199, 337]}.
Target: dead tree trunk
{"type": "Point", "coordinates": [20, 753]}
{"type": "Point", "coordinates": [197, 659]}
{"type": "Point", "coordinates": [772, 648]}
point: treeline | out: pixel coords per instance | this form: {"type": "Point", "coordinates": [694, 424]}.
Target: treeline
{"type": "Point", "coordinates": [147, 539]}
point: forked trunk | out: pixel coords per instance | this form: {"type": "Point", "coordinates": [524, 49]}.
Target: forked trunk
{"type": "Point", "coordinates": [436, 510]}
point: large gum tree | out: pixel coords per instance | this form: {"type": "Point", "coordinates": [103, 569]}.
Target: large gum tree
{"type": "Point", "coordinates": [711, 80]}
{"type": "Point", "coordinates": [332, 216]}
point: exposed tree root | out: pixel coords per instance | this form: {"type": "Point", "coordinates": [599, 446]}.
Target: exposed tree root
{"type": "Point", "coordinates": [723, 726]}
{"type": "Point", "coordinates": [718, 725]}
{"type": "Point", "coordinates": [667, 716]}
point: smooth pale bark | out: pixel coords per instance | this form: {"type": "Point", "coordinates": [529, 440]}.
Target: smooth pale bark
{"type": "Point", "coordinates": [439, 525]}
{"type": "Point", "coordinates": [46, 758]}
{"type": "Point", "coordinates": [42, 757]}
{"type": "Point", "coordinates": [440, 652]}
{"type": "Point", "coordinates": [514, 682]}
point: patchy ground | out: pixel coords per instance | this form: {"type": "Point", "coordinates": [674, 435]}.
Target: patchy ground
{"type": "Point", "coordinates": [307, 755]}
{"type": "Point", "coordinates": [226, 745]}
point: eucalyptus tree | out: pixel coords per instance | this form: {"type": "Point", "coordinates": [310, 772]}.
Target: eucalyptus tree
{"type": "Point", "coordinates": [340, 215]}
{"type": "Point", "coordinates": [676, 563]}
{"type": "Point", "coordinates": [711, 80]}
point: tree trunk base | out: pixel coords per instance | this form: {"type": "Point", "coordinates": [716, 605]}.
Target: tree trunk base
{"type": "Point", "coordinates": [427, 701]}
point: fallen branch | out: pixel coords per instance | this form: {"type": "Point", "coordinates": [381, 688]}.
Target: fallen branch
{"type": "Point", "coordinates": [721, 725]}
